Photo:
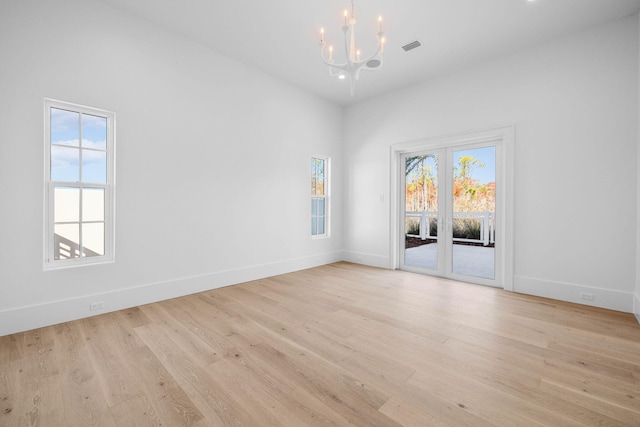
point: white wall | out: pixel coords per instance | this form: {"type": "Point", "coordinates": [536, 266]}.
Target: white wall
{"type": "Point", "coordinates": [636, 299]}
{"type": "Point", "coordinates": [212, 168]}
{"type": "Point", "coordinates": [574, 104]}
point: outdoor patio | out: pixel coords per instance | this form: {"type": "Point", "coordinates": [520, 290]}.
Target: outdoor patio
{"type": "Point", "coordinates": [477, 261]}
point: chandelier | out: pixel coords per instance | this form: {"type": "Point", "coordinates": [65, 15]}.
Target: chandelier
{"type": "Point", "coordinates": [355, 63]}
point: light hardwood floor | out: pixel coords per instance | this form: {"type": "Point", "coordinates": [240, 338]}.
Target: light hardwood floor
{"type": "Point", "coordinates": [335, 345]}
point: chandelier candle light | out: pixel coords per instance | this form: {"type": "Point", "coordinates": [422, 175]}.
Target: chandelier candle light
{"type": "Point", "coordinates": [351, 69]}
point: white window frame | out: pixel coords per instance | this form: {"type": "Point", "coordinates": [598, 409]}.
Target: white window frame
{"type": "Point", "coordinates": [326, 197]}
{"type": "Point", "coordinates": [50, 263]}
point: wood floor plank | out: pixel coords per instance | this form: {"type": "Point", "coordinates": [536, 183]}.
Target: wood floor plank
{"type": "Point", "coordinates": [221, 335]}
{"type": "Point", "coordinates": [135, 316]}
{"type": "Point", "coordinates": [168, 399]}
{"type": "Point", "coordinates": [338, 345]}
{"type": "Point", "coordinates": [204, 389]}
{"type": "Point", "coordinates": [201, 352]}
{"type": "Point", "coordinates": [408, 415]}
{"type": "Point", "coordinates": [612, 409]}
{"type": "Point", "coordinates": [136, 411]}
{"type": "Point", "coordinates": [335, 387]}
{"type": "Point", "coordinates": [24, 401]}
{"type": "Point", "coordinates": [334, 349]}
{"type": "Point", "coordinates": [81, 388]}
{"type": "Point", "coordinates": [494, 406]}
{"type": "Point", "coordinates": [110, 342]}
{"type": "Point", "coordinates": [9, 349]}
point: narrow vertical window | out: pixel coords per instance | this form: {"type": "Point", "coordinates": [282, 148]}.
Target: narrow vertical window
{"type": "Point", "coordinates": [319, 196]}
{"type": "Point", "coordinates": [79, 170]}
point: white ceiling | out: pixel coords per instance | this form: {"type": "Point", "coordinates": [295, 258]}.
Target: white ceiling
{"type": "Point", "coordinates": [281, 37]}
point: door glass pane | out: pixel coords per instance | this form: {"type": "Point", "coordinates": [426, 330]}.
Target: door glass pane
{"type": "Point", "coordinates": [474, 207]}
{"type": "Point", "coordinates": [421, 211]}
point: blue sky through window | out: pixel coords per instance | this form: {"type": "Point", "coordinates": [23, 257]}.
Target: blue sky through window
{"type": "Point", "coordinates": [485, 155]}
{"type": "Point", "coordinates": [65, 130]}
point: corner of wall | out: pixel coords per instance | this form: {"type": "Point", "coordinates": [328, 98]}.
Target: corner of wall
{"type": "Point", "coordinates": [370, 260]}
{"type": "Point", "coordinates": [636, 298]}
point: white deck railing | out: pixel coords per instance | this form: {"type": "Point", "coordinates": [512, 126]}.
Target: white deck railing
{"type": "Point", "coordinates": [486, 219]}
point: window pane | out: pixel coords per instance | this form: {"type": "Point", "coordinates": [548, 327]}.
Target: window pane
{"type": "Point", "coordinates": [318, 216]}
{"type": "Point", "coordinates": [321, 207]}
{"type": "Point", "coordinates": [66, 206]}
{"type": "Point", "coordinates": [93, 204]}
{"type": "Point", "coordinates": [319, 181]}
{"type": "Point", "coordinates": [93, 239]}
{"type": "Point", "coordinates": [94, 166]}
{"type": "Point", "coordinates": [65, 127]}
{"type": "Point", "coordinates": [314, 168]}
{"type": "Point", "coordinates": [317, 176]}
{"type": "Point", "coordinates": [65, 164]}
{"type": "Point", "coordinates": [318, 206]}
{"type": "Point", "coordinates": [319, 186]}
{"type": "Point", "coordinates": [66, 241]}
{"type": "Point", "coordinates": [94, 132]}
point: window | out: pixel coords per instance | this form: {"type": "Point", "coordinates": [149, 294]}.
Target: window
{"type": "Point", "coordinates": [79, 168]}
{"type": "Point", "coordinates": [319, 196]}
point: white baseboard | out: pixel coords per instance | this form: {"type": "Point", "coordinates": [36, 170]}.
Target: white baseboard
{"type": "Point", "coordinates": [35, 316]}
{"type": "Point", "coordinates": [603, 298]}
{"type": "Point", "coordinates": [366, 259]}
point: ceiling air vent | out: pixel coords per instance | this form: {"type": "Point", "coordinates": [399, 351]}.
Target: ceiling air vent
{"type": "Point", "coordinates": [414, 44]}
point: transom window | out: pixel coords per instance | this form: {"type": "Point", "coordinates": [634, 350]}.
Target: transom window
{"type": "Point", "coordinates": [79, 146]}
{"type": "Point", "coordinates": [319, 197]}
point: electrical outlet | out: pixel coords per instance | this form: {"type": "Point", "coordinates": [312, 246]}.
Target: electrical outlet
{"type": "Point", "coordinates": [96, 306]}
{"type": "Point", "coordinates": [587, 297]}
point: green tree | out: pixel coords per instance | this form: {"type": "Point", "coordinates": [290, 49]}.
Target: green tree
{"type": "Point", "coordinates": [466, 165]}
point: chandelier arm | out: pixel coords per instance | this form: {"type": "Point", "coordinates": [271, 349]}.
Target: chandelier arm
{"type": "Point", "coordinates": [359, 66]}
{"type": "Point", "coordinates": [334, 73]}
{"type": "Point", "coordinates": [377, 53]}
{"type": "Point", "coordinates": [331, 64]}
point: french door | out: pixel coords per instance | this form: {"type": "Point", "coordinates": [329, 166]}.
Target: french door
{"type": "Point", "coordinates": [450, 212]}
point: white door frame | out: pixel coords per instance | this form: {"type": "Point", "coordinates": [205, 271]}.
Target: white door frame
{"type": "Point", "coordinates": [504, 137]}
